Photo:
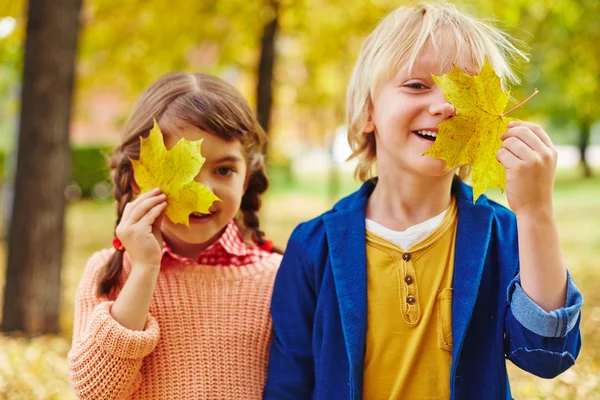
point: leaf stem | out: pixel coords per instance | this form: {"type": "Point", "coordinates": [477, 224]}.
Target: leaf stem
{"type": "Point", "coordinates": [522, 103]}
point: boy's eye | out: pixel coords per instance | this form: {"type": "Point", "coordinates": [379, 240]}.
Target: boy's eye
{"type": "Point", "coordinates": [224, 171]}
{"type": "Point", "coordinates": [415, 85]}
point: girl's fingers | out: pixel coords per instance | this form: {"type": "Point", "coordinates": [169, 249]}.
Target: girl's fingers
{"type": "Point", "coordinates": [536, 129]}
{"type": "Point", "coordinates": [132, 205]}
{"type": "Point", "coordinates": [508, 159]}
{"type": "Point", "coordinates": [525, 135]}
{"type": "Point", "coordinates": [518, 148]}
{"type": "Point", "coordinates": [138, 212]}
{"type": "Point", "coordinates": [156, 228]}
{"type": "Point", "coordinates": [151, 217]}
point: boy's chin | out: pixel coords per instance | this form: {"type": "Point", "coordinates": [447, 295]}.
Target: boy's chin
{"type": "Point", "coordinates": [433, 167]}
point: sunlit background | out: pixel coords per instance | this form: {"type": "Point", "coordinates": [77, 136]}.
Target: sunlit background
{"type": "Point", "coordinates": [125, 45]}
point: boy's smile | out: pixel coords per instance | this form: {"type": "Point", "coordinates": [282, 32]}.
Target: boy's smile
{"type": "Point", "coordinates": [428, 134]}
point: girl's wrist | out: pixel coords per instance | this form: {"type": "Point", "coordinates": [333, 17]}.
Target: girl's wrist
{"type": "Point", "coordinates": [144, 268]}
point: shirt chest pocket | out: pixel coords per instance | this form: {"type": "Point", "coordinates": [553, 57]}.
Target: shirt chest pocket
{"type": "Point", "coordinates": [444, 319]}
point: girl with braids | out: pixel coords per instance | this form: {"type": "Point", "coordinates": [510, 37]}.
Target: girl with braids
{"type": "Point", "coordinates": [175, 311]}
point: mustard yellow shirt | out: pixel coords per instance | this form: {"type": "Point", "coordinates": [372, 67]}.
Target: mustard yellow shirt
{"type": "Point", "coordinates": [409, 316]}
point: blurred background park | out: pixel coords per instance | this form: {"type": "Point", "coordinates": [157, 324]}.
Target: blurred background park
{"type": "Point", "coordinates": [292, 60]}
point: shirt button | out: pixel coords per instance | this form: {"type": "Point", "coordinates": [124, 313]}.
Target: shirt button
{"type": "Point", "coordinates": [408, 279]}
{"type": "Point", "coordinates": [406, 256]}
{"type": "Point", "coordinates": [411, 300]}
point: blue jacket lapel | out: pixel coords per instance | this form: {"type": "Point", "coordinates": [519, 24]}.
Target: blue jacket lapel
{"type": "Point", "coordinates": [346, 235]}
{"type": "Point", "coordinates": [472, 241]}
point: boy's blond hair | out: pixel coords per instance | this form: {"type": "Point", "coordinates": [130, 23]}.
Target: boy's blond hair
{"type": "Point", "coordinates": [399, 40]}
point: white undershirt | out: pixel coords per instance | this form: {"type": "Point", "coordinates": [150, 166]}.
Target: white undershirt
{"type": "Point", "coordinates": [409, 237]}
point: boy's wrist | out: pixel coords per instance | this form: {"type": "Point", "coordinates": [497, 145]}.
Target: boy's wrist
{"type": "Point", "coordinates": [536, 212]}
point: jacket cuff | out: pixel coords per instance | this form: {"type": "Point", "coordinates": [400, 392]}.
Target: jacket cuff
{"type": "Point", "coordinates": [118, 340]}
{"type": "Point", "coordinates": [555, 323]}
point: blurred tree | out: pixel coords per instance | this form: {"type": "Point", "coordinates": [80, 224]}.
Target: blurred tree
{"type": "Point", "coordinates": [35, 243]}
{"type": "Point", "coordinates": [264, 87]}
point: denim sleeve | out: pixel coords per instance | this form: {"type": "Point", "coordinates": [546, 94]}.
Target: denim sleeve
{"type": "Point", "coordinates": [544, 344]}
{"type": "Point", "coordinates": [554, 324]}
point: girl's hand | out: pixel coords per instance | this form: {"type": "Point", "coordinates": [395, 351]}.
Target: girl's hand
{"type": "Point", "coordinates": [139, 229]}
{"type": "Point", "coordinates": [530, 158]}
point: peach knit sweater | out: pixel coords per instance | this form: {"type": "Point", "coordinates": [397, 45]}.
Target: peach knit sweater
{"type": "Point", "coordinates": [207, 335]}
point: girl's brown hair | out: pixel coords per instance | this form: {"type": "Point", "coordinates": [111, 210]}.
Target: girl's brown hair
{"type": "Point", "coordinates": [210, 104]}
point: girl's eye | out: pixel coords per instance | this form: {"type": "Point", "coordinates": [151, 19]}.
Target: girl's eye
{"type": "Point", "coordinates": [224, 171]}
{"type": "Point", "coordinates": [415, 85]}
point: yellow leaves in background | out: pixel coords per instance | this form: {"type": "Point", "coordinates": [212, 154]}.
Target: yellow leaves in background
{"type": "Point", "coordinates": [472, 136]}
{"type": "Point", "coordinates": [34, 368]}
{"type": "Point", "coordinates": [173, 171]}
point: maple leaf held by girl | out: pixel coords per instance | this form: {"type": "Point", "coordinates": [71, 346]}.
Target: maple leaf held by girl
{"type": "Point", "coordinates": [173, 172]}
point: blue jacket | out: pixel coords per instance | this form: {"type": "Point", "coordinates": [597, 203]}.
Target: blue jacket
{"type": "Point", "coordinates": [319, 307]}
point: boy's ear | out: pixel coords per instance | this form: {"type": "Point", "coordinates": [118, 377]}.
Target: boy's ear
{"type": "Point", "coordinates": [369, 125]}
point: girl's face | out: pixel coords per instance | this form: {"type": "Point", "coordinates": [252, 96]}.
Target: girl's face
{"type": "Point", "coordinates": [224, 172]}
{"type": "Point", "coordinates": [405, 116]}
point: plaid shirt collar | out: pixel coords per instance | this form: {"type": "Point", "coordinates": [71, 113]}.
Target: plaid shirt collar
{"type": "Point", "coordinates": [229, 244]}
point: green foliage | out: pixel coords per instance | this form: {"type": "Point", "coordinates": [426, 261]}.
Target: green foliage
{"type": "Point", "coordinates": [89, 167]}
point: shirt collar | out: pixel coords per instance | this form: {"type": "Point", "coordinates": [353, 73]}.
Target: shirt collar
{"type": "Point", "coordinates": [230, 241]}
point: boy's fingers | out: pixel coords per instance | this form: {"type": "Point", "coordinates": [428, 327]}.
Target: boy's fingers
{"type": "Point", "coordinates": [508, 159]}
{"type": "Point", "coordinates": [518, 148]}
{"type": "Point", "coordinates": [536, 129]}
{"type": "Point", "coordinates": [526, 135]}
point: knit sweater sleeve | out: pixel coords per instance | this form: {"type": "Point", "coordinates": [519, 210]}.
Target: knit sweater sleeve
{"type": "Point", "coordinates": [105, 359]}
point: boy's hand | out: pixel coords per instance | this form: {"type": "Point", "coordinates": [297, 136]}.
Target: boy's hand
{"type": "Point", "coordinates": [139, 229]}
{"type": "Point", "coordinates": [530, 158]}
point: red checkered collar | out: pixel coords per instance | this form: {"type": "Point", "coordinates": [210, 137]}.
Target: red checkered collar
{"type": "Point", "coordinates": [230, 242]}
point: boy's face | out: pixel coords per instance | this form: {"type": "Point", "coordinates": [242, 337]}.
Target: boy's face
{"type": "Point", "coordinates": [406, 113]}
{"type": "Point", "coordinates": [224, 172]}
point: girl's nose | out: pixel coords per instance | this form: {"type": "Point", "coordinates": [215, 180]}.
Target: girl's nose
{"type": "Point", "coordinates": [203, 177]}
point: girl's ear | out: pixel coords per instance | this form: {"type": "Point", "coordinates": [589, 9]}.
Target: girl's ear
{"type": "Point", "coordinates": [136, 188]}
{"type": "Point", "coordinates": [247, 181]}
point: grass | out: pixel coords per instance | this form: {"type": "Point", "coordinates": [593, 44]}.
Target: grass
{"type": "Point", "coordinates": [36, 368]}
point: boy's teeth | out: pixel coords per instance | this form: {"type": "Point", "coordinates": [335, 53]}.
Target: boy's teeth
{"type": "Point", "coordinates": [427, 133]}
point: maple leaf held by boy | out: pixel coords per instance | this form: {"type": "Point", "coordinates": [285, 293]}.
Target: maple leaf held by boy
{"type": "Point", "coordinates": [472, 136]}
{"type": "Point", "coordinates": [173, 172]}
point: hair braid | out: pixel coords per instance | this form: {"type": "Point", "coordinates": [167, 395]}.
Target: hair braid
{"type": "Point", "coordinates": [251, 203]}
{"type": "Point", "coordinates": [122, 174]}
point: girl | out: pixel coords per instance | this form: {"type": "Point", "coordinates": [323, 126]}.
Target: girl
{"type": "Point", "coordinates": [176, 311]}
{"type": "Point", "coordinates": [406, 289]}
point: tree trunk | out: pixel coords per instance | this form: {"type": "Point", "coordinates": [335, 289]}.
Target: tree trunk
{"type": "Point", "coordinates": [585, 128]}
{"type": "Point", "coordinates": [264, 87]}
{"type": "Point", "coordinates": [35, 243]}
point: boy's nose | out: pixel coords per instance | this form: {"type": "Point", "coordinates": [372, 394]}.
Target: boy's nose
{"type": "Point", "coordinates": [443, 108]}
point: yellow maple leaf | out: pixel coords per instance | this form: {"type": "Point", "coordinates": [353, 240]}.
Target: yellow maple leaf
{"type": "Point", "coordinates": [472, 136]}
{"type": "Point", "coordinates": [173, 172]}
